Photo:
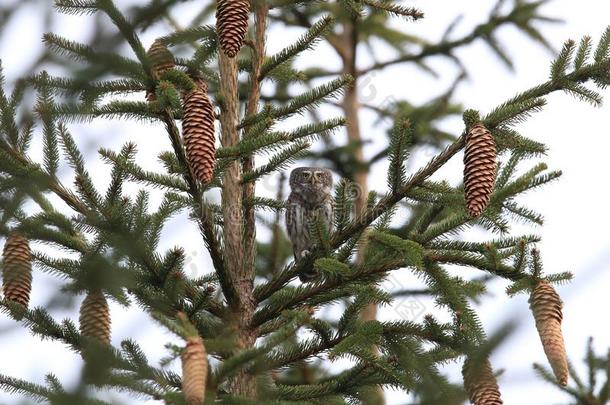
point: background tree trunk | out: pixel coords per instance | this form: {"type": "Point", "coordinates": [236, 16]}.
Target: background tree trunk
{"type": "Point", "coordinates": [351, 109]}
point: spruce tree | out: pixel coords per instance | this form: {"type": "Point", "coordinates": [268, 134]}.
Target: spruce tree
{"type": "Point", "coordinates": [248, 331]}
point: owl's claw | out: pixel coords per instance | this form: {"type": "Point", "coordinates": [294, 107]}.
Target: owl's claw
{"type": "Point", "coordinates": [312, 275]}
{"type": "Point", "coordinates": [307, 277]}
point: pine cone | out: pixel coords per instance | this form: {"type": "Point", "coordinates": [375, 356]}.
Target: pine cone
{"type": "Point", "coordinates": [95, 317]}
{"type": "Point", "coordinates": [546, 307]}
{"type": "Point", "coordinates": [17, 269]}
{"type": "Point", "coordinates": [194, 371]}
{"type": "Point", "coordinates": [162, 60]}
{"type": "Point", "coordinates": [480, 384]}
{"type": "Point", "coordinates": [198, 132]}
{"type": "Point", "coordinates": [232, 24]}
{"type": "Point", "coordinates": [479, 169]}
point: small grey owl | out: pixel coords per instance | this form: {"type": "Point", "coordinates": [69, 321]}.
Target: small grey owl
{"type": "Point", "coordinates": [310, 197]}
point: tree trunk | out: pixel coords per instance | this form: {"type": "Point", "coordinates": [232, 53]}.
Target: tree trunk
{"type": "Point", "coordinates": [240, 223]}
{"type": "Point", "coordinates": [258, 56]}
{"type": "Point", "coordinates": [240, 277]}
{"type": "Point", "coordinates": [351, 109]}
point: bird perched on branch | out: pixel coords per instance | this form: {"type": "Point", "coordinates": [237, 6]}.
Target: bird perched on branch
{"type": "Point", "coordinates": [310, 200]}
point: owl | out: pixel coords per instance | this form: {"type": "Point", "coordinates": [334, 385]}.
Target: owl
{"type": "Point", "coordinates": [310, 198]}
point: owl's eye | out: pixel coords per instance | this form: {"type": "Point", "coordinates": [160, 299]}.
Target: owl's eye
{"type": "Point", "coordinates": [306, 175]}
{"type": "Point", "coordinates": [319, 175]}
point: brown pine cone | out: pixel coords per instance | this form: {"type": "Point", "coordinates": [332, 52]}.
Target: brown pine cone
{"type": "Point", "coordinates": [480, 384]}
{"type": "Point", "coordinates": [194, 371]}
{"type": "Point", "coordinates": [95, 317]}
{"type": "Point", "coordinates": [479, 169]}
{"type": "Point", "coordinates": [546, 307]}
{"type": "Point", "coordinates": [232, 24]}
{"type": "Point", "coordinates": [198, 132]}
{"type": "Point", "coordinates": [162, 60]}
{"type": "Point", "coordinates": [17, 269]}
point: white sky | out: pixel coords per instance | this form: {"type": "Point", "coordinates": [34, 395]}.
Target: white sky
{"type": "Point", "coordinates": [575, 235]}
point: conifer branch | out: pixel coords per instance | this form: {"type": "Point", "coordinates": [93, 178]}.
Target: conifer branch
{"type": "Point", "coordinates": [137, 173]}
{"type": "Point", "coordinates": [39, 322]}
{"type": "Point", "coordinates": [205, 32]}
{"type": "Point", "coordinates": [277, 162]}
{"type": "Point", "coordinates": [521, 16]}
{"type": "Point", "coordinates": [505, 112]}
{"type": "Point", "coordinates": [84, 53]}
{"type": "Point", "coordinates": [50, 149]}
{"type": "Point", "coordinates": [78, 7]}
{"type": "Point", "coordinates": [89, 91]}
{"type": "Point", "coordinates": [301, 102]}
{"type": "Point", "coordinates": [395, 9]}
{"type": "Point", "coordinates": [307, 41]}
{"type": "Point", "coordinates": [126, 29]}
{"type": "Point", "coordinates": [201, 212]}
{"type": "Point", "coordinates": [67, 196]}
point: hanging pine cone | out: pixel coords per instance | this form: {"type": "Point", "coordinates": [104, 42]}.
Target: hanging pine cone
{"type": "Point", "coordinates": [479, 169]}
{"type": "Point", "coordinates": [95, 317]}
{"type": "Point", "coordinates": [194, 371]}
{"type": "Point", "coordinates": [546, 307]}
{"type": "Point", "coordinates": [480, 384]}
{"type": "Point", "coordinates": [232, 24]}
{"type": "Point", "coordinates": [17, 269]}
{"type": "Point", "coordinates": [198, 131]}
{"type": "Point", "coordinates": [162, 60]}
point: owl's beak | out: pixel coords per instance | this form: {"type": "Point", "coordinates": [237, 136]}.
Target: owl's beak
{"type": "Point", "coordinates": [313, 180]}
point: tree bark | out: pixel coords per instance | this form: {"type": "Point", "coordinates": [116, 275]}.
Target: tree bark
{"type": "Point", "coordinates": [258, 55]}
{"type": "Point", "coordinates": [239, 215]}
{"type": "Point", "coordinates": [351, 109]}
{"type": "Point", "coordinates": [241, 278]}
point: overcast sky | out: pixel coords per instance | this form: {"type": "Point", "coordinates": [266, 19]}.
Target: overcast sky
{"type": "Point", "coordinates": [575, 234]}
